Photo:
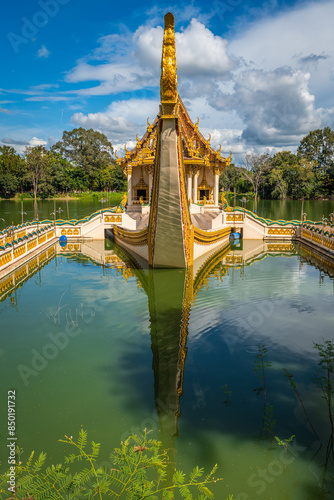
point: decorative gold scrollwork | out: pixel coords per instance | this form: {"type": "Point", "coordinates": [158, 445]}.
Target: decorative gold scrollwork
{"type": "Point", "coordinates": [168, 81]}
{"type": "Point", "coordinates": [281, 248]}
{"type": "Point", "coordinates": [233, 259]}
{"type": "Point", "coordinates": [234, 218]}
{"type": "Point", "coordinates": [113, 218]}
{"type": "Point", "coordinates": [282, 231]}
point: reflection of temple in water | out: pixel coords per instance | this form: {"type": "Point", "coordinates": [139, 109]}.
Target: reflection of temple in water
{"type": "Point", "coordinates": [170, 296]}
{"type": "Point", "coordinates": [170, 293]}
{"type": "Point", "coordinates": [12, 282]}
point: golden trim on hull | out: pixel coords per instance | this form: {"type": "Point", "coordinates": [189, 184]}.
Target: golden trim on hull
{"type": "Point", "coordinates": [139, 238]}
{"type": "Point", "coordinates": [209, 237]}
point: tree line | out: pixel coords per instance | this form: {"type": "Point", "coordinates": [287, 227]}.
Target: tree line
{"type": "Point", "coordinates": [308, 173]}
{"type": "Point", "coordinates": [81, 161]}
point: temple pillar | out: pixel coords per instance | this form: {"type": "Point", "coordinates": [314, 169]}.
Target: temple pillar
{"type": "Point", "coordinates": [195, 187]}
{"type": "Point", "coordinates": [189, 184]}
{"type": "Point", "coordinates": [129, 173]}
{"type": "Point", "coordinates": [216, 187]}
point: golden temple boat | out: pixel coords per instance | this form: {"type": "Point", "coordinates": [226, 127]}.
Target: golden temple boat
{"type": "Point", "coordinates": [173, 173]}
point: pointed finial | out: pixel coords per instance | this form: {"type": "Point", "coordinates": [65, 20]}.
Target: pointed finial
{"type": "Point", "coordinates": [127, 153]}
{"type": "Point", "coordinates": [168, 80]}
{"type": "Point", "coordinates": [149, 126]}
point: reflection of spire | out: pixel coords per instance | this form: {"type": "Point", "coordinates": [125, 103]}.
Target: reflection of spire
{"type": "Point", "coordinates": [169, 304]}
{"type": "Point", "coordinates": [169, 323]}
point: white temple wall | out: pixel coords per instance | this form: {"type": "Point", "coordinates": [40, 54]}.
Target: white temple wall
{"type": "Point", "coordinates": [136, 172]}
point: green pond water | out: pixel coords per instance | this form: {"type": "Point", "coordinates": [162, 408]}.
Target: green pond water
{"type": "Point", "coordinates": [11, 211]}
{"type": "Point", "coordinates": [115, 351]}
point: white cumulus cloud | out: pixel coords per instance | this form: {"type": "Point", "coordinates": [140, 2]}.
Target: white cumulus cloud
{"type": "Point", "coordinates": [200, 55]}
{"type": "Point", "coordinates": [43, 52]}
{"type": "Point", "coordinates": [122, 120]}
{"type": "Point", "coordinates": [276, 106]}
{"type": "Point", "coordinates": [37, 142]}
{"type": "Point", "coordinates": [270, 84]}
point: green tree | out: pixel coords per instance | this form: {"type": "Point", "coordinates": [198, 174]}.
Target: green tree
{"type": "Point", "coordinates": [8, 184]}
{"type": "Point", "coordinates": [107, 178]}
{"type": "Point", "coordinates": [88, 149]}
{"type": "Point", "coordinates": [12, 170]}
{"type": "Point", "coordinates": [278, 183]}
{"type": "Point", "coordinates": [318, 147]}
{"type": "Point", "coordinates": [38, 169]}
{"type": "Point", "coordinates": [232, 178]}
{"type": "Point", "coordinates": [254, 170]}
{"type": "Point", "coordinates": [61, 171]}
{"type": "Point", "coordinates": [117, 178]}
{"type": "Point", "coordinates": [290, 176]}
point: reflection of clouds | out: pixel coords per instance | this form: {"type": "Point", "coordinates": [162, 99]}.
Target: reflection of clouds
{"type": "Point", "coordinates": [199, 396]}
{"type": "Point", "coordinates": [202, 321]}
{"type": "Point", "coordinates": [289, 327]}
{"type": "Point", "coordinates": [274, 303]}
{"type": "Point", "coordinates": [106, 300]}
{"type": "Point", "coordinates": [301, 307]}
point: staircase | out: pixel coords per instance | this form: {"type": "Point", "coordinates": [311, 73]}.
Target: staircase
{"type": "Point", "coordinates": [206, 221]}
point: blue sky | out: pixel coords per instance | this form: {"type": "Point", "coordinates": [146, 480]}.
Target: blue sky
{"type": "Point", "coordinates": [259, 75]}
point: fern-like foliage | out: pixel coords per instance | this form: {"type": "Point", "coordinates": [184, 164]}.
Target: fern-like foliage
{"type": "Point", "coordinates": [138, 471]}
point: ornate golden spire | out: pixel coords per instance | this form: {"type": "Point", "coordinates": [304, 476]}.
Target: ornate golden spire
{"type": "Point", "coordinates": [168, 81]}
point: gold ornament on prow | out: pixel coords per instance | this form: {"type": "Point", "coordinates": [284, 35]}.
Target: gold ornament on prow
{"type": "Point", "coordinates": [225, 204]}
{"type": "Point", "coordinates": [168, 81]}
{"type": "Point", "coordinates": [149, 126]}
{"type": "Point", "coordinates": [127, 153]}
{"type": "Point", "coordinates": [207, 143]}
{"type": "Point", "coordinates": [118, 159]}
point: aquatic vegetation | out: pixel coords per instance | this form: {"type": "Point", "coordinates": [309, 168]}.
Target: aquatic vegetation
{"type": "Point", "coordinates": [261, 363]}
{"type": "Point", "coordinates": [293, 385]}
{"type": "Point", "coordinates": [284, 442]}
{"type": "Point", "coordinates": [325, 383]}
{"type": "Point", "coordinates": [227, 392]}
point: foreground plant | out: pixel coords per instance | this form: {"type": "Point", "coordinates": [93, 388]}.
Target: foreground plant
{"type": "Point", "coordinates": [137, 470]}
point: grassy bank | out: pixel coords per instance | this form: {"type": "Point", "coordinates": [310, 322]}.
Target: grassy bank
{"type": "Point", "coordinates": [113, 198]}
